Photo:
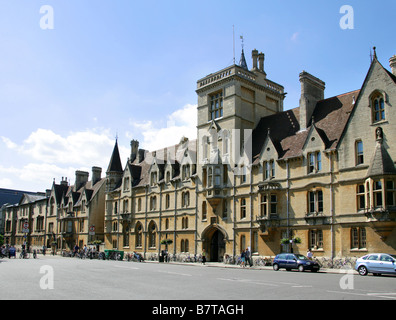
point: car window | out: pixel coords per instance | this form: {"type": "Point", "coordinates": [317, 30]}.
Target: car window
{"type": "Point", "coordinates": [290, 257]}
{"type": "Point", "coordinates": [373, 257]}
{"type": "Point", "coordinates": [301, 257]}
{"type": "Point", "coordinates": [281, 256]}
{"type": "Point", "coordinates": [385, 257]}
{"type": "Point", "coordinates": [393, 256]}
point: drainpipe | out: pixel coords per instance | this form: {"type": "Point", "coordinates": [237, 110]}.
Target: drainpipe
{"type": "Point", "coordinates": [145, 224]}
{"type": "Point", "coordinates": [160, 222]}
{"type": "Point", "coordinates": [332, 204]}
{"type": "Point", "coordinates": [174, 222]}
{"type": "Point", "coordinates": [118, 220]}
{"type": "Point", "coordinates": [251, 208]}
{"type": "Point", "coordinates": [234, 222]}
{"type": "Point", "coordinates": [287, 196]}
{"type": "Point", "coordinates": [196, 220]}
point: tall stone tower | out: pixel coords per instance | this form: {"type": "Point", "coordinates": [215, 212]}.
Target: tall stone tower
{"type": "Point", "coordinates": [231, 103]}
{"type": "Point", "coordinates": [235, 98]}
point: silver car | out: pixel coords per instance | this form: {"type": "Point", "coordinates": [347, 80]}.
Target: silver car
{"type": "Point", "coordinates": [376, 263]}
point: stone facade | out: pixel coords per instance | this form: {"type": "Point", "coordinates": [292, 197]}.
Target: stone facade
{"type": "Point", "coordinates": [60, 218]}
{"type": "Point", "coordinates": [322, 173]}
{"type": "Point", "coordinates": [320, 176]}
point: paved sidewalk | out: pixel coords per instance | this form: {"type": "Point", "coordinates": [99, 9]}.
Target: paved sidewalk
{"type": "Point", "coordinates": [224, 265]}
{"type": "Point", "coordinates": [210, 265]}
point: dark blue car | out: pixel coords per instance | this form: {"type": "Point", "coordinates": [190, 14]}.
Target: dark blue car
{"type": "Point", "coordinates": [290, 261]}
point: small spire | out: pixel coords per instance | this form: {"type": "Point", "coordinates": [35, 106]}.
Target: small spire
{"type": "Point", "coordinates": [375, 53]}
{"type": "Point", "coordinates": [242, 61]}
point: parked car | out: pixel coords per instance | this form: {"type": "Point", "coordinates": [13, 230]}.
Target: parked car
{"type": "Point", "coordinates": [294, 261]}
{"type": "Point", "coordinates": [376, 263]}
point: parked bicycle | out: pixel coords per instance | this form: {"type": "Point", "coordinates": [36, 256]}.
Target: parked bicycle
{"type": "Point", "coordinates": [24, 255]}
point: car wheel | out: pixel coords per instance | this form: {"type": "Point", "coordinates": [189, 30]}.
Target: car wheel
{"type": "Point", "coordinates": [301, 268]}
{"type": "Point", "coordinates": [363, 271]}
{"type": "Point", "coordinates": [276, 267]}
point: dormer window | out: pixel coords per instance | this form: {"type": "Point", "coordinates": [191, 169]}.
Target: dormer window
{"type": "Point", "coordinates": [314, 162]}
{"type": "Point", "coordinates": [269, 169]}
{"type": "Point", "coordinates": [153, 178]}
{"type": "Point", "coordinates": [216, 105]}
{"type": "Point", "coordinates": [186, 172]}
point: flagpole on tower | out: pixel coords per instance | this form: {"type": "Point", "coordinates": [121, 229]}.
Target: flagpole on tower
{"type": "Point", "coordinates": [233, 40]}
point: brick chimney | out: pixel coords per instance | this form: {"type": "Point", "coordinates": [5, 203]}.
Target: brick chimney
{"type": "Point", "coordinates": [312, 91]}
{"type": "Point", "coordinates": [392, 63]}
{"type": "Point", "coordinates": [134, 150]}
{"type": "Point", "coordinates": [96, 174]}
{"type": "Point", "coordinates": [81, 179]}
{"type": "Point", "coordinates": [254, 58]}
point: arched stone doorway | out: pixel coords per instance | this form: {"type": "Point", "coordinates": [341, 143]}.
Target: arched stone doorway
{"type": "Point", "coordinates": [217, 247]}
{"type": "Point", "coordinates": [214, 244]}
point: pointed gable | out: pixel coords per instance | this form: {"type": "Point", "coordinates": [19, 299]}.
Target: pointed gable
{"type": "Point", "coordinates": [115, 161]}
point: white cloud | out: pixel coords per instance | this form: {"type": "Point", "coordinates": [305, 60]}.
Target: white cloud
{"type": "Point", "coordinates": [181, 123]}
{"type": "Point", "coordinates": [9, 144]}
{"type": "Point", "coordinates": [46, 155]}
{"type": "Point", "coordinates": [295, 36]}
{"type": "Point", "coordinates": [82, 148]}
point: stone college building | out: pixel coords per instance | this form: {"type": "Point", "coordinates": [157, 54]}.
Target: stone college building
{"type": "Point", "coordinates": [320, 176]}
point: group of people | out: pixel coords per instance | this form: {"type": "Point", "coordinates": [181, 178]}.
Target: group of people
{"type": "Point", "coordinates": [246, 258]}
{"type": "Point", "coordinates": [8, 251]}
{"type": "Point", "coordinates": [84, 251]}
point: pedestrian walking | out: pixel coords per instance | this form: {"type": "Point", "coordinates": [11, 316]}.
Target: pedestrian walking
{"type": "Point", "coordinates": [309, 254]}
{"type": "Point", "coordinates": [248, 256]}
{"type": "Point", "coordinates": [12, 252]}
{"type": "Point", "coordinates": [243, 258]}
{"type": "Point", "coordinates": [203, 256]}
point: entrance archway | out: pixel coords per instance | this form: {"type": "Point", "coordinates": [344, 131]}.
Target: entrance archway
{"type": "Point", "coordinates": [214, 243]}
{"type": "Point", "coordinates": [217, 247]}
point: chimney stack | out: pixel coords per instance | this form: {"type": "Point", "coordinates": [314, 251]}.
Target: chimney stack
{"type": "Point", "coordinates": [81, 179]}
{"type": "Point", "coordinates": [261, 61]}
{"type": "Point", "coordinates": [312, 91]}
{"type": "Point", "coordinates": [96, 174]}
{"type": "Point", "coordinates": [141, 155]}
{"type": "Point", "coordinates": [392, 63]}
{"type": "Point", "coordinates": [254, 57]}
{"type": "Point", "coordinates": [134, 150]}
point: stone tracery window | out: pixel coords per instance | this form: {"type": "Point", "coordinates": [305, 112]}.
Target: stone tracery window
{"type": "Point", "coordinates": [377, 103]}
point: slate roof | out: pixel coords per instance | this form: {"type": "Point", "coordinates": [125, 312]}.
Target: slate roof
{"type": "Point", "coordinates": [172, 155]}
{"type": "Point", "coordinates": [14, 196]}
{"type": "Point", "coordinates": [329, 118]}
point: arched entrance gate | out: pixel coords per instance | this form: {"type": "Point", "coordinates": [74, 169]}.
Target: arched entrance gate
{"type": "Point", "coordinates": [214, 243]}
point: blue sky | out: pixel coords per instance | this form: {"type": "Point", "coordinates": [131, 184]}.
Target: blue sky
{"type": "Point", "coordinates": [129, 68]}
